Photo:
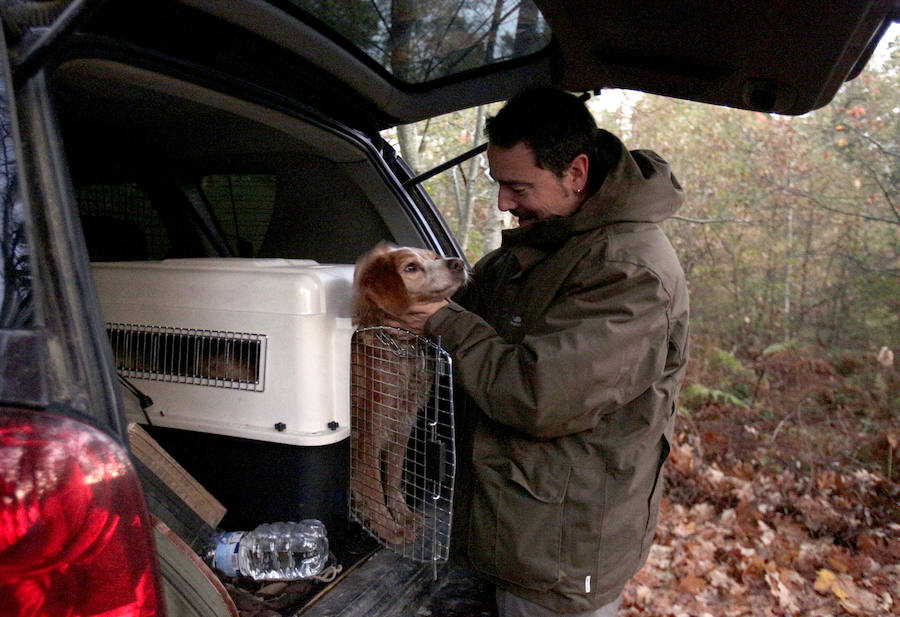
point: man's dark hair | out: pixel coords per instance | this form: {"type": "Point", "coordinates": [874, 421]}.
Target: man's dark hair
{"type": "Point", "coordinates": [555, 124]}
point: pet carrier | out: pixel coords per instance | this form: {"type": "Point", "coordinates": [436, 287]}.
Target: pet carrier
{"type": "Point", "coordinates": [246, 362]}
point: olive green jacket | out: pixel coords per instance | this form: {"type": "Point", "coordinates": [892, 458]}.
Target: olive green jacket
{"type": "Point", "coordinates": [573, 349]}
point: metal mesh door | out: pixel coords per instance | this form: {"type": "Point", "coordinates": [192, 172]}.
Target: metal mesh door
{"type": "Point", "coordinates": [402, 454]}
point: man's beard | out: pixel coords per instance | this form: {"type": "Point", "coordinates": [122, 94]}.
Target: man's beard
{"type": "Point", "coordinates": [524, 218]}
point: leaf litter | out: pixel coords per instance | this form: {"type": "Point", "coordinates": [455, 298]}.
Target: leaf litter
{"type": "Point", "coordinates": [783, 506]}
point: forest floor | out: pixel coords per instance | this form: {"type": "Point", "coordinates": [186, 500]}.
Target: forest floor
{"type": "Point", "coordinates": [783, 493]}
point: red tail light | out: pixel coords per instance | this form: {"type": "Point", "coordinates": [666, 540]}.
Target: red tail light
{"type": "Point", "coordinates": [75, 539]}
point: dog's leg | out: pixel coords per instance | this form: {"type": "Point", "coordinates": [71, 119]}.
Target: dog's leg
{"type": "Point", "coordinates": [407, 403]}
{"type": "Point", "coordinates": [395, 457]}
{"type": "Point", "coordinates": [369, 441]}
{"type": "Point", "coordinates": [391, 493]}
{"type": "Point", "coordinates": [368, 492]}
{"type": "Point", "coordinates": [413, 393]}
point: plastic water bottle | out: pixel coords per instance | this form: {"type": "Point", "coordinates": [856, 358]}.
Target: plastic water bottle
{"type": "Point", "coordinates": [273, 551]}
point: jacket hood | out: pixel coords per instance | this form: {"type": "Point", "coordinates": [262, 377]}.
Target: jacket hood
{"type": "Point", "coordinates": [639, 188]}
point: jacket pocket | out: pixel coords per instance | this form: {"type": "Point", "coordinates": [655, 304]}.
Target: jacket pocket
{"type": "Point", "coordinates": [515, 531]}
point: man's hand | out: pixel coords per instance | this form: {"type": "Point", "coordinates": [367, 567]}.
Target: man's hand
{"type": "Point", "coordinates": [415, 318]}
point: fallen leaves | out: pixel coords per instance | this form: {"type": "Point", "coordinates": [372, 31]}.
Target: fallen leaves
{"type": "Point", "coordinates": [692, 584]}
{"type": "Point", "coordinates": [769, 545]}
{"type": "Point", "coordinates": [785, 507]}
{"type": "Point", "coordinates": [265, 599]}
{"type": "Point", "coordinates": [853, 599]}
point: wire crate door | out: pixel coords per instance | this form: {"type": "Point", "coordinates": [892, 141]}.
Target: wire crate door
{"type": "Point", "coordinates": [403, 458]}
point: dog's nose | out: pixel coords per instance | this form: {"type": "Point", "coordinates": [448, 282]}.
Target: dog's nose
{"type": "Point", "coordinates": [455, 264]}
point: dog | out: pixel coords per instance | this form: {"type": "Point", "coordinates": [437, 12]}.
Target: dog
{"type": "Point", "coordinates": [391, 378]}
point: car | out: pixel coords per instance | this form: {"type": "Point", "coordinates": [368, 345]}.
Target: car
{"type": "Point", "coordinates": [196, 178]}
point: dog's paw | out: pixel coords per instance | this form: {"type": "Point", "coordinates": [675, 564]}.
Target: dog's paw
{"type": "Point", "coordinates": [394, 533]}
{"type": "Point", "coordinates": [407, 517]}
{"type": "Point", "coordinates": [403, 514]}
{"type": "Point", "coordinates": [378, 520]}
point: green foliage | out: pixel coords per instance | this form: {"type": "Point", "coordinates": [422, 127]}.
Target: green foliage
{"type": "Point", "coordinates": [695, 395]}
{"type": "Point", "coordinates": [721, 378]}
{"type": "Point", "coordinates": [727, 361]}
{"type": "Point", "coordinates": [788, 229]}
{"type": "Point", "coordinates": [779, 348]}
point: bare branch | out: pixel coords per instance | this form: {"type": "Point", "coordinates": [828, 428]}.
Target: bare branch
{"type": "Point", "coordinates": [863, 266]}
{"type": "Point", "coordinates": [709, 221]}
{"type": "Point", "coordinates": [885, 191]}
{"type": "Point", "coordinates": [821, 204]}
{"type": "Point", "coordinates": [874, 142]}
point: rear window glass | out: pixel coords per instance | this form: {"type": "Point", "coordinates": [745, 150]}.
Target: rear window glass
{"type": "Point", "coordinates": [243, 205]}
{"type": "Point", "coordinates": [121, 224]}
{"type": "Point", "coordinates": [15, 271]}
{"type": "Point", "coordinates": [422, 40]}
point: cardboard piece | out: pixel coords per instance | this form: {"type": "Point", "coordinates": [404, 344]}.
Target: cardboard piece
{"type": "Point", "coordinates": [167, 469]}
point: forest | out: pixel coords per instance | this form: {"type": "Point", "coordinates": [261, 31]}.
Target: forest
{"type": "Point", "coordinates": [783, 484]}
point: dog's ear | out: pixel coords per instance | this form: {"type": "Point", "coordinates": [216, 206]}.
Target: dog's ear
{"type": "Point", "coordinates": [376, 280]}
{"type": "Point", "coordinates": [380, 249]}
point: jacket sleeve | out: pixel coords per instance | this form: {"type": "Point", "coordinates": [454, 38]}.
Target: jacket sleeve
{"type": "Point", "coordinates": [605, 342]}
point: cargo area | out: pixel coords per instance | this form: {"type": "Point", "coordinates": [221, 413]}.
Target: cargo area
{"type": "Point", "coordinates": [222, 236]}
{"type": "Point", "coordinates": [239, 408]}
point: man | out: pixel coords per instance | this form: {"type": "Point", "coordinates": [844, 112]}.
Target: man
{"type": "Point", "coordinates": [571, 340]}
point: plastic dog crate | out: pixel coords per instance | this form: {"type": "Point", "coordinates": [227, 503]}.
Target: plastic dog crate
{"type": "Point", "coordinates": [247, 348]}
{"type": "Point", "coordinates": [247, 364]}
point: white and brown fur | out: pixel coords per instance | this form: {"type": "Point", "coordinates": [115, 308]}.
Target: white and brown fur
{"type": "Point", "coordinates": [391, 381]}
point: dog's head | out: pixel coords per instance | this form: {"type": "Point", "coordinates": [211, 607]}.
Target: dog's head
{"type": "Point", "coordinates": [389, 279]}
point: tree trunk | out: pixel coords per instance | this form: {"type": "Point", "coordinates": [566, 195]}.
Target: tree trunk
{"type": "Point", "coordinates": [494, 224]}
{"type": "Point", "coordinates": [457, 195]}
{"type": "Point", "coordinates": [403, 14]}
{"type": "Point", "coordinates": [526, 28]}
{"type": "Point", "coordinates": [494, 220]}
{"type": "Point", "coordinates": [409, 149]}
{"type": "Point", "coordinates": [495, 27]}
{"type": "Point", "coordinates": [789, 257]}
{"type": "Point", "coordinates": [402, 19]}
{"type": "Point", "coordinates": [468, 203]}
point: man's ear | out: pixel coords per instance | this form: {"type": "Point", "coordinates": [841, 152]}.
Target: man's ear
{"type": "Point", "coordinates": [577, 173]}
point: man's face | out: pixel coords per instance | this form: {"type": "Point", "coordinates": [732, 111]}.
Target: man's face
{"type": "Point", "coordinates": [530, 192]}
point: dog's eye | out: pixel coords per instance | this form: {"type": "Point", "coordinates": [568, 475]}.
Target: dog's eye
{"type": "Point", "coordinates": [410, 268]}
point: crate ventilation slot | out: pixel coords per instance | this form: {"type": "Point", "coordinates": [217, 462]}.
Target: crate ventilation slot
{"type": "Point", "coordinates": [182, 355]}
{"type": "Point", "coordinates": [403, 459]}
